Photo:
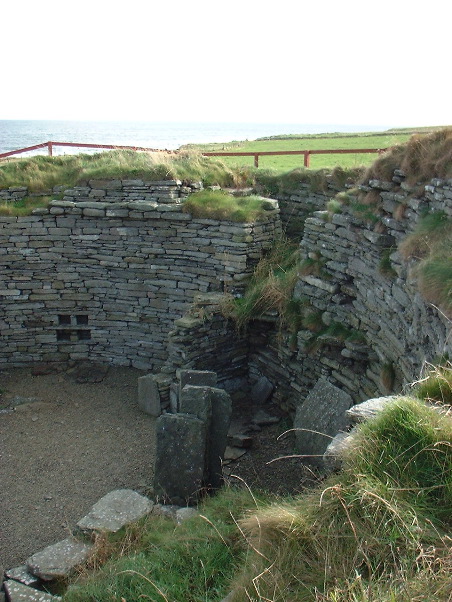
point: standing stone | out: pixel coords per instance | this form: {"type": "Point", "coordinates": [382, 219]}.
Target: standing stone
{"type": "Point", "coordinates": [180, 458]}
{"type": "Point", "coordinates": [196, 401]}
{"type": "Point", "coordinates": [218, 434]}
{"type": "Point", "coordinates": [319, 418]}
{"type": "Point", "coordinates": [149, 395]}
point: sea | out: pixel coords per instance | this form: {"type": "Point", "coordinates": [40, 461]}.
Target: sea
{"type": "Point", "coordinates": [17, 134]}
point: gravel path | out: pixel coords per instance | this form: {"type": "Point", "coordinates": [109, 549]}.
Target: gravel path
{"type": "Point", "coordinates": [66, 445]}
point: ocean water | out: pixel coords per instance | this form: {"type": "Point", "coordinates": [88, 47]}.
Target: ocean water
{"type": "Point", "coordinates": [20, 134]}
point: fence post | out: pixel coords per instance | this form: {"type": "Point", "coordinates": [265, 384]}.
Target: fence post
{"type": "Point", "coordinates": [49, 146]}
{"type": "Point", "coordinates": [306, 158]}
{"type": "Point", "coordinates": [256, 160]}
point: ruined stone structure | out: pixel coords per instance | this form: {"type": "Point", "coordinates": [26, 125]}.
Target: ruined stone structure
{"type": "Point", "coordinates": [103, 273]}
{"type": "Point", "coordinates": [110, 273]}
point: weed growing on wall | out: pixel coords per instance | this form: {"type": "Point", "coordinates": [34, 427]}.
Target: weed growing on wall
{"type": "Point", "coordinates": [270, 289]}
{"type": "Point", "coordinates": [431, 245]}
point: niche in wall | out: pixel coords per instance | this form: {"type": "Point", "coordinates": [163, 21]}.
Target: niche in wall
{"type": "Point", "coordinates": [73, 328]}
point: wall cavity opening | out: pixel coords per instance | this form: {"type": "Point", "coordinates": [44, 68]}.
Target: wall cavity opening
{"type": "Point", "coordinates": [73, 327]}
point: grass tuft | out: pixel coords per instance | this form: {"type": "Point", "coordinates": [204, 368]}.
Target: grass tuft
{"type": "Point", "coordinates": [218, 204]}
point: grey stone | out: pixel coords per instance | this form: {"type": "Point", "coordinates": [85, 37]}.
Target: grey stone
{"type": "Point", "coordinates": [221, 407]}
{"type": "Point", "coordinates": [18, 592]}
{"type": "Point", "coordinates": [234, 453]}
{"type": "Point", "coordinates": [180, 458]}
{"type": "Point", "coordinates": [332, 457]}
{"type": "Point", "coordinates": [319, 418]}
{"type": "Point", "coordinates": [261, 418]}
{"type": "Point", "coordinates": [149, 395]}
{"type": "Point", "coordinates": [197, 378]}
{"type": "Point", "coordinates": [22, 574]}
{"type": "Point", "coordinates": [115, 510]}
{"type": "Point", "coordinates": [369, 409]}
{"type": "Point", "coordinates": [196, 401]}
{"type": "Point", "coordinates": [59, 560]}
{"type": "Point", "coordinates": [262, 390]}
{"type": "Point", "coordinates": [183, 514]}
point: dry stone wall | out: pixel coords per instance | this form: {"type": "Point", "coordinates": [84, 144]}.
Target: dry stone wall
{"type": "Point", "coordinates": [104, 272]}
{"type": "Point", "coordinates": [385, 330]}
{"type": "Point", "coordinates": [381, 331]}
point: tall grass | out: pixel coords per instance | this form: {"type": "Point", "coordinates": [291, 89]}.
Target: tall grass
{"type": "Point", "coordinates": [190, 562]}
{"type": "Point", "coordinates": [376, 531]}
{"type": "Point", "coordinates": [421, 158]}
{"type": "Point", "coordinates": [43, 173]}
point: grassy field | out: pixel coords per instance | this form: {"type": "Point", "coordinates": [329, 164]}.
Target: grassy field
{"type": "Point", "coordinates": [313, 142]}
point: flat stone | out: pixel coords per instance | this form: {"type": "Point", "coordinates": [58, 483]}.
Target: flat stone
{"type": "Point", "coordinates": [22, 574]}
{"type": "Point", "coordinates": [234, 453]}
{"type": "Point", "coordinates": [115, 510]}
{"type": "Point", "coordinates": [319, 418]}
{"type": "Point", "coordinates": [18, 592]}
{"type": "Point", "coordinates": [239, 440]}
{"type": "Point", "coordinates": [369, 409]}
{"type": "Point", "coordinates": [261, 418]}
{"type": "Point", "coordinates": [59, 560]}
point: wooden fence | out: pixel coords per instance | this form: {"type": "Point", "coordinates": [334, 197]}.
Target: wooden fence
{"type": "Point", "coordinates": [306, 153]}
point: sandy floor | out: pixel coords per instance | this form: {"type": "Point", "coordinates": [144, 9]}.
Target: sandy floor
{"type": "Point", "coordinates": [65, 446]}
{"type": "Point", "coordinates": [68, 443]}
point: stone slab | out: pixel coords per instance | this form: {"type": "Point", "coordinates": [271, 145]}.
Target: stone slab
{"type": "Point", "coordinates": [196, 401]}
{"type": "Point", "coordinates": [149, 395]}
{"type": "Point", "coordinates": [18, 592]}
{"type": "Point", "coordinates": [369, 409]}
{"type": "Point", "coordinates": [319, 418]}
{"type": "Point", "coordinates": [22, 574]}
{"type": "Point", "coordinates": [198, 378]}
{"type": "Point", "coordinates": [221, 407]}
{"type": "Point", "coordinates": [115, 510]}
{"type": "Point", "coordinates": [180, 458]}
{"type": "Point", "coordinates": [59, 560]}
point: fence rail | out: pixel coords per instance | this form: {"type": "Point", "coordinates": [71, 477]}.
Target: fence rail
{"type": "Point", "coordinates": [306, 153]}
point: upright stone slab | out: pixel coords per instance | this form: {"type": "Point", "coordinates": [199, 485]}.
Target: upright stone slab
{"type": "Point", "coordinates": [180, 458]}
{"type": "Point", "coordinates": [196, 401]}
{"type": "Point", "coordinates": [149, 395]}
{"type": "Point", "coordinates": [197, 378]}
{"type": "Point", "coordinates": [319, 418]}
{"type": "Point", "coordinates": [217, 439]}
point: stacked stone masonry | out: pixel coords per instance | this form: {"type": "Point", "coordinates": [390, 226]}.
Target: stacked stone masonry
{"type": "Point", "coordinates": [393, 328]}
{"type": "Point", "coordinates": [103, 273]}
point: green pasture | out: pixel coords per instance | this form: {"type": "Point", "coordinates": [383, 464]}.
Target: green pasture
{"type": "Point", "coordinates": [314, 142]}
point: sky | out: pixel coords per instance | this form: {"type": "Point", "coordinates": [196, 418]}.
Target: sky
{"type": "Point", "coordinates": [285, 61]}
